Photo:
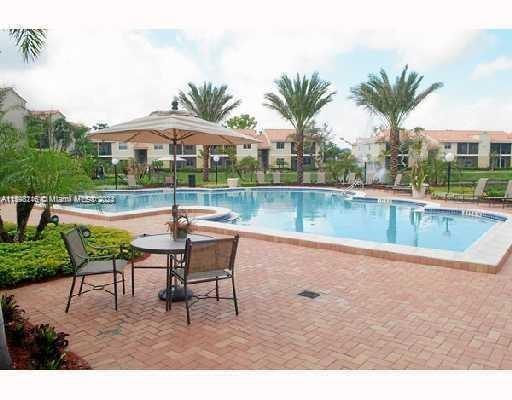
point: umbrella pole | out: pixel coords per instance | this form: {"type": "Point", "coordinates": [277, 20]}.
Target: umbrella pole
{"type": "Point", "coordinates": [174, 205]}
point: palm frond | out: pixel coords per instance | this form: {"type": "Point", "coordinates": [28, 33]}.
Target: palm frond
{"type": "Point", "coordinates": [30, 42]}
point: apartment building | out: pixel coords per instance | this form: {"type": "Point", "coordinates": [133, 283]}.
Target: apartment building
{"type": "Point", "coordinates": [276, 149]}
{"type": "Point", "coordinates": [471, 148]}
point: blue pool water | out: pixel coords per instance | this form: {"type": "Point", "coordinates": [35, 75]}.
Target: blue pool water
{"type": "Point", "coordinates": [325, 213]}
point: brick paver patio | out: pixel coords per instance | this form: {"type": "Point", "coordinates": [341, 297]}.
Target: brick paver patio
{"type": "Point", "coordinates": [372, 313]}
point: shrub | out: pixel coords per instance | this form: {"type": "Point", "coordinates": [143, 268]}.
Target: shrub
{"type": "Point", "coordinates": [47, 257]}
{"type": "Point", "coordinates": [13, 319]}
{"type": "Point", "coordinates": [47, 347]}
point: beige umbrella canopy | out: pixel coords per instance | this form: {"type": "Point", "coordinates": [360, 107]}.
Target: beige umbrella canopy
{"type": "Point", "coordinates": [174, 127]}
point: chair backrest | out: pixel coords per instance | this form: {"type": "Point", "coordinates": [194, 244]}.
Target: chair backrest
{"type": "Point", "coordinates": [351, 178]}
{"type": "Point", "coordinates": [75, 247]}
{"type": "Point", "coordinates": [276, 177]}
{"type": "Point", "coordinates": [480, 187]}
{"type": "Point", "coordinates": [260, 177]}
{"type": "Point", "coordinates": [320, 177]}
{"type": "Point", "coordinates": [306, 177]}
{"type": "Point", "coordinates": [211, 255]}
{"type": "Point", "coordinates": [131, 180]}
{"type": "Point", "coordinates": [508, 191]}
{"type": "Point", "coordinates": [398, 179]}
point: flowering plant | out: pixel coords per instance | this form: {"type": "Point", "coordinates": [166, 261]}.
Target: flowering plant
{"type": "Point", "coordinates": [180, 225]}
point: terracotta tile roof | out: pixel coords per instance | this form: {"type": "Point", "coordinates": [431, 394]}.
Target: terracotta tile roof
{"type": "Point", "coordinates": [253, 133]}
{"type": "Point", "coordinates": [46, 113]}
{"type": "Point", "coordinates": [279, 135]}
{"type": "Point", "coordinates": [449, 135]}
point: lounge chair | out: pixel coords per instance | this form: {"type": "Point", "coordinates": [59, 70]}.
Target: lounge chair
{"type": "Point", "coordinates": [276, 177]}
{"type": "Point", "coordinates": [132, 183]}
{"type": "Point", "coordinates": [350, 179]}
{"type": "Point", "coordinates": [320, 178]}
{"type": "Point", "coordinates": [306, 178]}
{"type": "Point", "coordinates": [506, 198]}
{"type": "Point", "coordinates": [86, 265]}
{"type": "Point", "coordinates": [207, 261]}
{"type": "Point", "coordinates": [168, 180]}
{"type": "Point", "coordinates": [260, 177]}
{"type": "Point", "coordinates": [477, 195]}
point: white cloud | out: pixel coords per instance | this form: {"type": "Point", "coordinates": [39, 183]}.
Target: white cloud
{"type": "Point", "coordinates": [424, 49]}
{"type": "Point", "coordinates": [103, 75]}
{"type": "Point", "coordinates": [487, 69]}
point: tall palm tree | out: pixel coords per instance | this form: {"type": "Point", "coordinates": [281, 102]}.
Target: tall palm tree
{"type": "Point", "coordinates": [210, 103]}
{"type": "Point", "coordinates": [393, 102]}
{"type": "Point", "coordinates": [299, 101]}
{"type": "Point", "coordinates": [30, 42]}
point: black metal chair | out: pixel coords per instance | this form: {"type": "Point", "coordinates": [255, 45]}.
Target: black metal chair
{"type": "Point", "coordinates": [206, 261]}
{"type": "Point", "coordinates": [86, 265]}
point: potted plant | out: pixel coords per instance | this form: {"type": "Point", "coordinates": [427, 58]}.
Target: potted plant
{"type": "Point", "coordinates": [419, 148]}
{"type": "Point", "coordinates": [233, 180]}
{"type": "Point", "coordinates": [180, 226]}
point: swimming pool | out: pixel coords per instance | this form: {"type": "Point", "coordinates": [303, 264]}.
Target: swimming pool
{"type": "Point", "coordinates": [324, 212]}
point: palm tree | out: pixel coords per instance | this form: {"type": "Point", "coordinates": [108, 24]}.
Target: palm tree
{"type": "Point", "coordinates": [299, 101]}
{"type": "Point", "coordinates": [29, 41]}
{"type": "Point", "coordinates": [393, 102]}
{"type": "Point", "coordinates": [210, 103]}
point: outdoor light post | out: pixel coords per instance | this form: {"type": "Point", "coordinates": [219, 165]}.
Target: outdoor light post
{"type": "Point", "coordinates": [115, 161]}
{"type": "Point", "coordinates": [365, 161]}
{"type": "Point", "coordinates": [449, 158]}
{"type": "Point", "coordinates": [216, 159]}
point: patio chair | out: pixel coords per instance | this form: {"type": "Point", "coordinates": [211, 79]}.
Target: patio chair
{"type": "Point", "coordinates": [132, 183]}
{"type": "Point", "coordinates": [478, 193]}
{"type": "Point", "coordinates": [320, 178]}
{"type": "Point", "coordinates": [207, 261]}
{"type": "Point", "coordinates": [260, 177]}
{"type": "Point", "coordinates": [306, 178]}
{"type": "Point", "coordinates": [276, 177]}
{"type": "Point", "coordinates": [507, 197]}
{"type": "Point", "coordinates": [85, 265]}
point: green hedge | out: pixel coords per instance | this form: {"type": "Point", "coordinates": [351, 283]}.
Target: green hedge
{"type": "Point", "coordinates": [35, 260]}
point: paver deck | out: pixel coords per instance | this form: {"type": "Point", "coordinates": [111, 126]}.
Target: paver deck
{"type": "Point", "coordinates": [371, 314]}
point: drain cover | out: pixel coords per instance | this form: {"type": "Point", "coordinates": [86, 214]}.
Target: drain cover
{"type": "Point", "coordinates": [309, 294]}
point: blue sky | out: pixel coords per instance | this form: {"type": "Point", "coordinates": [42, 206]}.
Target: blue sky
{"type": "Point", "coordinates": [114, 76]}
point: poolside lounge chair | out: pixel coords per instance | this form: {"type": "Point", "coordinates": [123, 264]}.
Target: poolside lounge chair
{"type": "Point", "coordinates": [306, 178]}
{"type": "Point", "coordinates": [320, 178]}
{"type": "Point", "coordinates": [168, 180]}
{"type": "Point", "coordinates": [276, 177]}
{"type": "Point", "coordinates": [85, 265]}
{"type": "Point", "coordinates": [477, 195]}
{"type": "Point", "coordinates": [207, 261]}
{"type": "Point", "coordinates": [507, 197]}
{"type": "Point", "coordinates": [350, 179]}
{"type": "Point", "coordinates": [260, 177]}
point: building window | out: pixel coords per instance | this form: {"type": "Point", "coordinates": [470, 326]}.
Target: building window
{"type": "Point", "coordinates": [467, 162]}
{"type": "Point", "coordinates": [280, 162]}
{"type": "Point", "coordinates": [122, 146]}
{"type": "Point", "coordinates": [190, 149]}
{"type": "Point", "coordinates": [178, 149]}
{"type": "Point", "coordinates": [158, 146]}
{"type": "Point", "coordinates": [500, 148]}
{"type": "Point", "coordinates": [104, 149]}
{"type": "Point", "coordinates": [447, 146]}
{"type": "Point", "coordinates": [467, 148]}
{"type": "Point", "coordinates": [247, 146]}
{"type": "Point", "coordinates": [307, 160]}
{"type": "Point", "coordinates": [191, 162]}
{"type": "Point", "coordinates": [280, 145]}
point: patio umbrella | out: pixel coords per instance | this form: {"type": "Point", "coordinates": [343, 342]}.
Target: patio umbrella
{"type": "Point", "coordinates": [173, 127]}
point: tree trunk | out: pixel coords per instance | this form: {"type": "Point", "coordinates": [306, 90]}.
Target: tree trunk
{"type": "Point", "coordinates": [4, 236]}
{"type": "Point", "coordinates": [394, 145]}
{"type": "Point", "coordinates": [23, 211]}
{"type": "Point", "coordinates": [43, 221]}
{"type": "Point", "coordinates": [206, 163]}
{"type": "Point", "coordinates": [300, 157]}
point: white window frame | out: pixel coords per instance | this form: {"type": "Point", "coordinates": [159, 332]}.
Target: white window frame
{"type": "Point", "coordinates": [122, 146]}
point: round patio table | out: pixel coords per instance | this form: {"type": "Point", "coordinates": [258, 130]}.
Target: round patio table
{"type": "Point", "coordinates": [163, 244]}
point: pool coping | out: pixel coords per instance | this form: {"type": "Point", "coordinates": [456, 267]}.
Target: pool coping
{"type": "Point", "coordinates": [487, 254]}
